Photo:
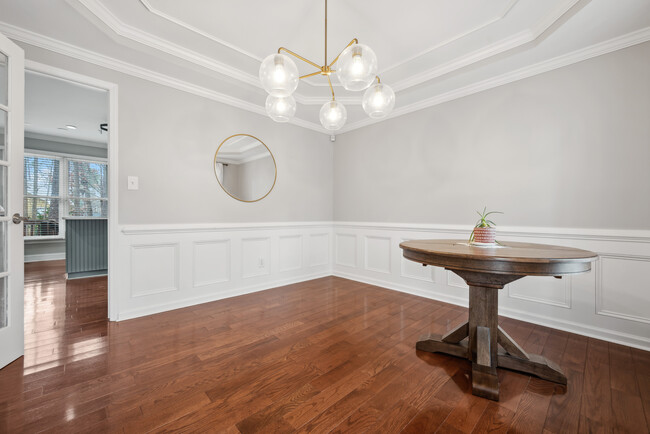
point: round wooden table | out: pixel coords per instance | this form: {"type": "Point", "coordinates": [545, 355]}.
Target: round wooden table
{"type": "Point", "coordinates": [486, 270]}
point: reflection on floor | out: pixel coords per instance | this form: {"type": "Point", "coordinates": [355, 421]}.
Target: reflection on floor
{"type": "Point", "coordinates": [329, 354]}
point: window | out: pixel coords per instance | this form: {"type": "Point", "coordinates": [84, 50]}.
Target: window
{"type": "Point", "coordinates": [87, 189]}
{"type": "Point", "coordinates": [41, 190]}
{"type": "Point", "coordinates": [57, 187]}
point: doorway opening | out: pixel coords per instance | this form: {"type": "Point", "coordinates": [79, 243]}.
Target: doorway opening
{"type": "Point", "coordinates": [70, 196]}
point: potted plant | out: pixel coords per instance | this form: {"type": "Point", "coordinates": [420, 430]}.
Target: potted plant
{"type": "Point", "coordinates": [484, 231]}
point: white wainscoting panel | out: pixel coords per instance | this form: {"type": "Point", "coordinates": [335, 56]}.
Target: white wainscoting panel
{"type": "Point", "coordinates": [623, 287]}
{"type": "Point", "coordinates": [256, 257]}
{"type": "Point", "coordinates": [413, 270]}
{"type": "Point", "coordinates": [211, 262]}
{"type": "Point", "coordinates": [377, 254]}
{"type": "Point", "coordinates": [155, 269]}
{"type": "Point", "coordinates": [319, 249]}
{"type": "Point", "coordinates": [455, 280]}
{"type": "Point", "coordinates": [542, 289]}
{"type": "Point", "coordinates": [290, 252]}
{"type": "Point", "coordinates": [346, 250]}
{"type": "Point", "coordinates": [164, 267]}
{"type": "Point", "coordinates": [611, 302]}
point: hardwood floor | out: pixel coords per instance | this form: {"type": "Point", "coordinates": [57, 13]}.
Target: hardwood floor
{"type": "Point", "coordinates": [320, 356]}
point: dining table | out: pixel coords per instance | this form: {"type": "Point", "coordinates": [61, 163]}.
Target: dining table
{"type": "Point", "coordinates": [486, 269]}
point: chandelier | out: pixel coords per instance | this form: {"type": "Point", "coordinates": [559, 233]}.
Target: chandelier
{"type": "Point", "coordinates": [356, 69]}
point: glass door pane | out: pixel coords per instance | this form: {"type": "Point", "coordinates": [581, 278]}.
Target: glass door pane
{"type": "Point", "coordinates": [3, 135]}
{"type": "Point", "coordinates": [4, 81]}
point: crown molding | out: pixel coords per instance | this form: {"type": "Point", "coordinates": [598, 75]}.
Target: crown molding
{"type": "Point", "coordinates": [63, 48]}
{"type": "Point", "coordinates": [118, 27]}
{"type": "Point", "coordinates": [637, 37]}
{"type": "Point", "coordinates": [498, 47]}
{"type": "Point", "coordinates": [155, 11]}
{"type": "Point", "coordinates": [148, 6]}
{"type": "Point", "coordinates": [124, 30]}
{"type": "Point", "coordinates": [69, 50]}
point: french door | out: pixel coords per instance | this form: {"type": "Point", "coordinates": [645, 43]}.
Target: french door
{"type": "Point", "coordinates": [12, 96]}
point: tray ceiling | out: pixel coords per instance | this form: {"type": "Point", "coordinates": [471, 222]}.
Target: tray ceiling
{"type": "Point", "coordinates": [429, 51]}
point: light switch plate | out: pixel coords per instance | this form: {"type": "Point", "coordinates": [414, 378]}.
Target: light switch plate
{"type": "Point", "coordinates": [132, 183]}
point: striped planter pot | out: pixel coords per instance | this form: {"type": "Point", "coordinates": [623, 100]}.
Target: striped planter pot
{"type": "Point", "coordinates": [484, 235]}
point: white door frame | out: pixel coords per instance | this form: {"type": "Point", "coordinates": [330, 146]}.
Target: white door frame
{"type": "Point", "coordinates": [113, 184]}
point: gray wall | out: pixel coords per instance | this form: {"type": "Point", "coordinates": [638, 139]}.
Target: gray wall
{"type": "Point", "coordinates": [568, 148]}
{"type": "Point", "coordinates": [35, 145]}
{"type": "Point", "coordinates": [168, 138]}
{"type": "Point", "coordinates": [256, 177]}
{"type": "Point", "coordinates": [53, 249]}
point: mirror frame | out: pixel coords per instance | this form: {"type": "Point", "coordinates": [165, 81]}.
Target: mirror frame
{"type": "Point", "coordinates": [214, 167]}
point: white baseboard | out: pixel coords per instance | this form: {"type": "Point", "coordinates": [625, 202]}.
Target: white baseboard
{"type": "Point", "coordinates": [177, 304]}
{"type": "Point", "coordinates": [45, 257]}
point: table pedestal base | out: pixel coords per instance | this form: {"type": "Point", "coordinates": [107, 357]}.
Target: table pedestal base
{"type": "Point", "coordinates": [479, 338]}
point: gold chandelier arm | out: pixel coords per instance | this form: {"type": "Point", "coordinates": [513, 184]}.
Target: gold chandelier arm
{"type": "Point", "coordinates": [378, 80]}
{"type": "Point", "coordinates": [310, 75]}
{"type": "Point", "coordinates": [354, 41]}
{"type": "Point", "coordinates": [331, 88]}
{"type": "Point", "coordinates": [300, 57]}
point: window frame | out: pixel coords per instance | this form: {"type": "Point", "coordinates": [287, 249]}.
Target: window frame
{"type": "Point", "coordinates": [63, 188]}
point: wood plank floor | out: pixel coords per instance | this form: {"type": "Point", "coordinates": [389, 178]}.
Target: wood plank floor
{"type": "Point", "coordinates": [328, 355]}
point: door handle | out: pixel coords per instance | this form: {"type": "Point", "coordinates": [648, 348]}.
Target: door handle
{"type": "Point", "coordinates": [17, 218]}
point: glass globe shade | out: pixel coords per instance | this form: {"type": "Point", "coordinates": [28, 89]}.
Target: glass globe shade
{"type": "Point", "coordinates": [279, 75]}
{"type": "Point", "coordinates": [357, 67]}
{"type": "Point", "coordinates": [280, 108]}
{"type": "Point", "coordinates": [333, 115]}
{"type": "Point", "coordinates": [378, 100]}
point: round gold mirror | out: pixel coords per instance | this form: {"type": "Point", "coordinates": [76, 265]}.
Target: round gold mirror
{"type": "Point", "coordinates": [245, 167]}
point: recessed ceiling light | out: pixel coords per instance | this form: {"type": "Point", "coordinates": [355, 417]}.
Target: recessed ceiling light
{"type": "Point", "coordinates": [70, 127]}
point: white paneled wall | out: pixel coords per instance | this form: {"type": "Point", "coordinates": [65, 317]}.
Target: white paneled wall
{"type": "Point", "coordinates": [172, 266]}
{"type": "Point", "coordinates": [611, 302]}
{"type": "Point", "coordinates": [167, 267]}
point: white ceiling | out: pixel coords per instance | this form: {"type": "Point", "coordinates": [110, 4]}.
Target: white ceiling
{"type": "Point", "coordinates": [51, 104]}
{"type": "Point", "coordinates": [429, 51]}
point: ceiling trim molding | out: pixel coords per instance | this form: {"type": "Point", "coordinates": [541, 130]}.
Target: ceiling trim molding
{"type": "Point", "coordinates": [97, 9]}
{"type": "Point", "coordinates": [637, 37]}
{"type": "Point", "coordinates": [126, 31]}
{"type": "Point", "coordinates": [147, 4]}
{"type": "Point", "coordinates": [63, 48]}
{"type": "Point", "coordinates": [155, 11]}
{"type": "Point", "coordinates": [82, 54]}
{"type": "Point", "coordinates": [448, 41]}
{"type": "Point", "coordinates": [505, 44]}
